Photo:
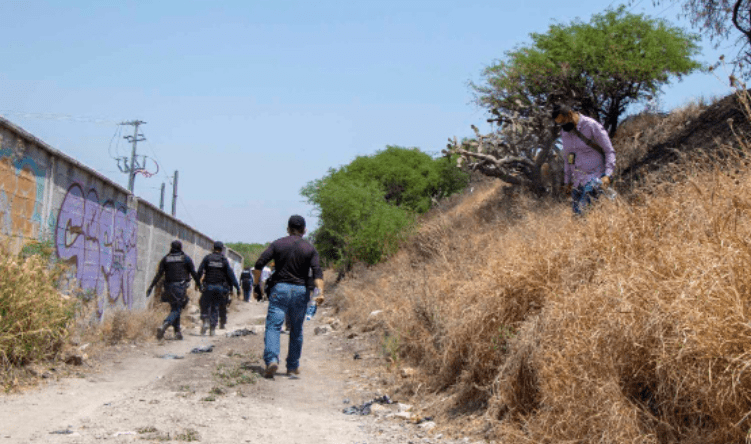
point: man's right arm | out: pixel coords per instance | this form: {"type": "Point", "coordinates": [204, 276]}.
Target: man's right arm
{"type": "Point", "coordinates": [199, 273]}
{"type": "Point", "coordinates": [159, 274]}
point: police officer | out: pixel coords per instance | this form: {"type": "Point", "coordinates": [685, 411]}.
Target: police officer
{"type": "Point", "coordinates": [216, 286]}
{"type": "Point", "coordinates": [177, 268]}
{"type": "Point", "coordinates": [246, 281]}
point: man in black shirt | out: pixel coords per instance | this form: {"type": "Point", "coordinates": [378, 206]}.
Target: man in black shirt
{"type": "Point", "coordinates": [289, 294]}
{"type": "Point", "coordinates": [177, 268]}
{"type": "Point", "coordinates": [216, 286]}
{"type": "Point", "coordinates": [246, 281]}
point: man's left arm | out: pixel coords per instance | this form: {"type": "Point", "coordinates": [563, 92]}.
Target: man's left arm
{"type": "Point", "coordinates": [318, 277]}
{"type": "Point", "coordinates": [600, 135]}
{"type": "Point", "coordinates": [191, 269]}
{"type": "Point", "coordinates": [231, 276]}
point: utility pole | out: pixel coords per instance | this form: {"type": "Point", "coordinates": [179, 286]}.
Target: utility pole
{"type": "Point", "coordinates": [161, 199]}
{"type": "Point", "coordinates": [174, 195]}
{"type": "Point", "coordinates": [134, 139]}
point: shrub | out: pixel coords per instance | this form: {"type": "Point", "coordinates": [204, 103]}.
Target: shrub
{"type": "Point", "coordinates": [34, 317]}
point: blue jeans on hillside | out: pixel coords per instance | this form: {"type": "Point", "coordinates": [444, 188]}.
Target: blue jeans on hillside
{"type": "Point", "coordinates": [583, 196]}
{"type": "Point", "coordinates": [285, 300]}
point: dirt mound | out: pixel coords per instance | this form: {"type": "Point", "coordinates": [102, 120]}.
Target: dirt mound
{"type": "Point", "coordinates": [717, 124]}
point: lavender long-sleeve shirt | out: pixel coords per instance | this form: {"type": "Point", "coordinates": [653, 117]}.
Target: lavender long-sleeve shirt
{"type": "Point", "coordinates": [588, 162]}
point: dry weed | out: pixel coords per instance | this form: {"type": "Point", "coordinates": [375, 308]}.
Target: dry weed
{"type": "Point", "coordinates": [628, 326]}
{"type": "Point", "coordinates": [34, 317]}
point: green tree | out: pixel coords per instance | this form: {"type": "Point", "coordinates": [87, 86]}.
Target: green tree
{"type": "Point", "coordinates": [603, 66]}
{"type": "Point", "coordinates": [249, 252]}
{"type": "Point", "coordinates": [367, 207]}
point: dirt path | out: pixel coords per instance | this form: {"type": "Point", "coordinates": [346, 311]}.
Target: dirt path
{"type": "Point", "coordinates": [219, 397]}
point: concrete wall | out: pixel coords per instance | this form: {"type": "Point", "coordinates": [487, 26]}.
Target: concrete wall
{"type": "Point", "coordinates": [112, 240]}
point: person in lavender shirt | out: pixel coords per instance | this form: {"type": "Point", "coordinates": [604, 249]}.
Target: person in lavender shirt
{"type": "Point", "coordinates": [587, 171]}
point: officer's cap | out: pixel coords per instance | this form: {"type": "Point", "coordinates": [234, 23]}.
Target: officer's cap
{"type": "Point", "coordinates": [218, 245]}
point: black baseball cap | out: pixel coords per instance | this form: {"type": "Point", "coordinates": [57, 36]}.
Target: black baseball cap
{"type": "Point", "coordinates": [297, 222]}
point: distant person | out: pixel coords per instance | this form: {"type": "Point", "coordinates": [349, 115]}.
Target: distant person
{"type": "Point", "coordinates": [261, 289]}
{"type": "Point", "coordinates": [217, 284]}
{"type": "Point", "coordinates": [293, 256]}
{"type": "Point", "coordinates": [246, 282]}
{"type": "Point", "coordinates": [177, 269]}
{"type": "Point", "coordinates": [588, 154]}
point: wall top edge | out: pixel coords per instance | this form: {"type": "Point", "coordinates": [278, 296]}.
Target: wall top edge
{"type": "Point", "coordinates": [30, 138]}
{"type": "Point", "coordinates": [5, 123]}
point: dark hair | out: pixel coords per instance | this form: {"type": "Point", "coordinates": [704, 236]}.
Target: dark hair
{"type": "Point", "coordinates": [296, 222]}
{"type": "Point", "coordinates": [218, 246]}
{"type": "Point", "coordinates": [176, 245]}
{"type": "Point", "coordinates": [560, 109]}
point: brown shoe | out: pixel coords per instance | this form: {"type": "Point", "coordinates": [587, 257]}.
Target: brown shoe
{"type": "Point", "coordinates": [271, 370]}
{"type": "Point", "coordinates": [293, 371]}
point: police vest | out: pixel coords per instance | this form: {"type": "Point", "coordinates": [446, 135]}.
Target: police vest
{"type": "Point", "coordinates": [174, 267]}
{"type": "Point", "coordinates": [216, 269]}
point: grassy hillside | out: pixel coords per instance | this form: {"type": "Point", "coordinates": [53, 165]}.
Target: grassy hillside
{"type": "Point", "coordinates": [527, 325]}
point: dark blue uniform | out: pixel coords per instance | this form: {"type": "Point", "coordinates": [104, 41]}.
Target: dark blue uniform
{"type": "Point", "coordinates": [217, 283]}
{"type": "Point", "coordinates": [246, 281]}
{"type": "Point", "coordinates": [177, 269]}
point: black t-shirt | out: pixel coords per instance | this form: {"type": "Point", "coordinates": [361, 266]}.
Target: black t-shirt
{"type": "Point", "coordinates": [293, 258]}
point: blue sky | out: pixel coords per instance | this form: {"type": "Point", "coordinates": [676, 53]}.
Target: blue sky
{"type": "Point", "coordinates": [250, 100]}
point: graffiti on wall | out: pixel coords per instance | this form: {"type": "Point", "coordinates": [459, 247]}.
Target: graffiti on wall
{"type": "Point", "coordinates": [21, 196]}
{"type": "Point", "coordinates": [101, 237]}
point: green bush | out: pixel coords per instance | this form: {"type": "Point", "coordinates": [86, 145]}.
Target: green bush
{"type": "Point", "coordinates": [366, 208]}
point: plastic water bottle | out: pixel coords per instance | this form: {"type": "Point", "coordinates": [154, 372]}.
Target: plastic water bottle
{"type": "Point", "coordinates": [312, 306]}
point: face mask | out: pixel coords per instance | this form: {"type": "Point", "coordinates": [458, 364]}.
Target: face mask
{"type": "Point", "coordinates": [567, 126]}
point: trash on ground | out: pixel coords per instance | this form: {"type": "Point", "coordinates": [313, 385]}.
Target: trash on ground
{"type": "Point", "coordinates": [62, 432]}
{"type": "Point", "coordinates": [357, 356]}
{"type": "Point", "coordinates": [124, 433]}
{"type": "Point", "coordinates": [204, 349]}
{"type": "Point", "coordinates": [171, 356]}
{"type": "Point", "coordinates": [364, 409]}
{"type": "Point", "coordinates": [240, 332]}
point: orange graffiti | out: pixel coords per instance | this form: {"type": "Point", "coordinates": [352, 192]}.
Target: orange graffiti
{"type": "Point", "coordinates": [20, 192]}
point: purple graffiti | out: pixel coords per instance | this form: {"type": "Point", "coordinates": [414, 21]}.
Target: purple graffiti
{"type": "Point", "coordinates": [102, 239]}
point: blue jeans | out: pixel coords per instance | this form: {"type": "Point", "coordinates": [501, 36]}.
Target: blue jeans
{"type": "Point", "coordinates": [583, 195]}
{"type": "Point", "coordinates": [285, 300]}
{"type": "Point", "coordinates": [246, 294]}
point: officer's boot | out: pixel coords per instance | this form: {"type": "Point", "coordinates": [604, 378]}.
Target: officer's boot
{"type": "Point", "coordinates": [160, 330]}
{"type": "Point", "coordinates": [221, 326]}
{"type": "Point", "coordinates": [212, 332]}
{"type": "Point", "coordinates": [204, 326]}
{"type": "Point", "coordinates": [178, 335]}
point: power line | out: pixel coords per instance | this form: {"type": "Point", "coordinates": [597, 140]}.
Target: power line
{"type": "Point", "coordinates": [190, 216]}
{"type": "Point", "coordinates": [114, 136]}
{"type": "Point", "coordinates": [635, 5]}
{"type": "Point", "coordinates": [59, 117]}
{"type": "Point", "coordinates": [665, 10]}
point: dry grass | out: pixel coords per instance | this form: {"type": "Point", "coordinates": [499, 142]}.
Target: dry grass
{"type": "Point", "coordinates": [528, 325]}
{"type": "Point", "coordinates": [642, 131]}
{"type": "Point", "coordinates": [34, 317]}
